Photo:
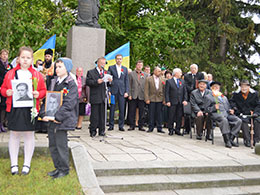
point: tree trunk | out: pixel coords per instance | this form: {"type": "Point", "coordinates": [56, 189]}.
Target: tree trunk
{"type": "Point", "coordinates": [222, 48]}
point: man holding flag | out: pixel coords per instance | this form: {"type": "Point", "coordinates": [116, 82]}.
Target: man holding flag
{"type": "Point", "coordinates": [119, 90]}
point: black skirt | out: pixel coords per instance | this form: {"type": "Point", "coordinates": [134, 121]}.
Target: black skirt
{"type": "Point", "coordinates": [19, 119]}
{"type": "Point", "coordinates": [82, 109]}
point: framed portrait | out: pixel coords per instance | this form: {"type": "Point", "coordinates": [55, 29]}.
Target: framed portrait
{"type": "Point", "coordinates": [53, 101]}
{"type": "Point", "coordinates": [22, 93]}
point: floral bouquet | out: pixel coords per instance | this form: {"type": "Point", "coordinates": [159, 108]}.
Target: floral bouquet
{"type": "Point", "coordinates": [216, 95]}
{"type": "Point", "coordinates": [34, 112]}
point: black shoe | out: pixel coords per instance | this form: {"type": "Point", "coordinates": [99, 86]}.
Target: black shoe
{"type": "Point", "coordinates": [199, 137]}
{"type": "Point", "coordinates": [170, 131]}
{"type": "Point", "coordinates": [186, 132]}
{"type": "Point", "coordinates": [121, 129]}
{"type": "Point", "coordinates": [78, 128]}
{"type": "Point", "coordinates": [149, 131]}
{"type": "Point", "coordinates": [160, 131]}
{"type": "Point", "coordinates": [60, 174]}
{"type": "Point", "coordinates": [93, 134]}
{"type": "Point", "coordinates": [209, 137]}
{"type": "Point", "coordinates": [247, 143]}
{"type": "Point", "coordinates": [102, 134]}
{"type": "Point", "coordinates": [14, 172]}
{"type": "Point", "coordinates": [131, 129]}
{"type": "Point", "coordinates": [227, 141]}
{"type": "Point", "coordinates": [232, 138]}
{"type": "Point", "coordinates": [178, 132]}
{"type": "Point", "coordinates": [52, 173]}
{"type": "Point", "coordinates": [110, 129]}
{"type": "Point", "coordinates": [26, 172]}
{"type": "Point", "coordinates": [141, 129]}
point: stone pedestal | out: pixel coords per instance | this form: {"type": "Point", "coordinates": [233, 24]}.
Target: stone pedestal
{"type": "Point", "coordinates": [84, 46]}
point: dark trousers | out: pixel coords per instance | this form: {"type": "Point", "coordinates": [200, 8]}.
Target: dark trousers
{"type": "Point", "coordinates": [58, 145]}
{"type": "Point", "coordinates": [199, 121]}
{"type": "Point", "coordinates": [133, 104]}
{"type": "Point", "coordinates": [155, 115]}
{"type": "Point", "coordinates": [97, 118]}
{"type": "Point", "coordinates": [246, 131]}
{"type": "Point", "coordinates": [175, 115]}
{"type": "Point", "coordinates": [121, 105]}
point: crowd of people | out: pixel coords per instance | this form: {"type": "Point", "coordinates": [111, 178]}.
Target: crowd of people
{"type": "Point", "coordinates": [163, 98]}
{"type": "Point", "coordinates": [160, 99]}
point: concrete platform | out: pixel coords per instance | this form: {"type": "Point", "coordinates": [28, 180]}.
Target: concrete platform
{"type": "Point", "coordinates": [138, 146]}
{"type": "Point", "coordinates": [140, 159]}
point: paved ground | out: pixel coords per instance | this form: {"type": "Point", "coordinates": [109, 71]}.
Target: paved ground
{"type": "Point", "coordinates": [134, 146]}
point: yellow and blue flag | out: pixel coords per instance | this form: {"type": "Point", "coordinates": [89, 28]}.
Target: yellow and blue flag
{"type": "Point", "coordinates": [39, 54]}
{"type": "Point", "coordinates": [124, 50]}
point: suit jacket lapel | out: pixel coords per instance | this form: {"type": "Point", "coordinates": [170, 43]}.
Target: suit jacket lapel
{"type": "Point", "coordinates": [153, 83]}
{"type": "Point", "coordinates": [135, 76]}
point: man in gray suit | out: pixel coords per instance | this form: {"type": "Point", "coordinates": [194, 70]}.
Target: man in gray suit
{"type": "Point", "coordinates": [136, 95]}
{"type": "Point", "coordinates": [218, 107]}
{"type": "Point", "coordinates": [197, 101]}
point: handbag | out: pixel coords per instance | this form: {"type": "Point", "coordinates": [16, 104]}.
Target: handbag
{"type": "Point", "coordinates": [88, 109]}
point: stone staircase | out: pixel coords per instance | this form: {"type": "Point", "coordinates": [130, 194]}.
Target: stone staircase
{"type": "Point", "coordinates": [191, 178]}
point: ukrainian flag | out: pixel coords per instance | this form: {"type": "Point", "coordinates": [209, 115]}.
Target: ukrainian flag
{"type": "Point", "coordinates": [39, 54]}
{"type": "Point", "coordinates": [124, 50]}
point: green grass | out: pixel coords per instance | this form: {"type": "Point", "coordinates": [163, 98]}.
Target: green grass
{"type": "Point", "coordinates": [37, 182]}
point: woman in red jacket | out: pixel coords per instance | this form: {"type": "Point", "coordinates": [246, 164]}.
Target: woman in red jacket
{"type": "Point", "coordinates": [19, 118]}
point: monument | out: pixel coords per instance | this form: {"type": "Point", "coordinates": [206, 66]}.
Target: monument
{"type": "Point", "coordinates": [86, 40]}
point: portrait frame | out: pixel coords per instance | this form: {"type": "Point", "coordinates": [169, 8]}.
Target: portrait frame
{"type": "Point", "coordinates": [51, 106]}
{"type": "Point", "coordinates": [22, 93]}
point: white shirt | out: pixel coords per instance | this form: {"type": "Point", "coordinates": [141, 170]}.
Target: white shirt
{"type": "Point", "coordinates": [59, 80]}
{"type": "Point", "coordinates": [176, 81]}
{"type": "Point", "coordinates": [118, 68]}
{"type": "Point", "coordinates": [202, 93]}
{"type": "Point", "coordinates": [156, 81]}
{"type": "Point", "coordinates": [24, 74]}
{"type": "Point", "coordinates": [99, 71]}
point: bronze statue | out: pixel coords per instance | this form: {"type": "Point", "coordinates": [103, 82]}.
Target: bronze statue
{"type": "Point", "coordinates": [88, 13]}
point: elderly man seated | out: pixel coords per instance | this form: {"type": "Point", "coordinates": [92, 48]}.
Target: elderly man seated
{"type": "Point", "coordinates": [197, 101]}
{"type": "Point", "coordinates": [218, 107]}
{"type": "Point", "coordinates": [245, 102]}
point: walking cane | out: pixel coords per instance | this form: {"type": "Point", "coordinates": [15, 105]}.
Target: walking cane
{"type": "Point", "coordinates": [252, 132]}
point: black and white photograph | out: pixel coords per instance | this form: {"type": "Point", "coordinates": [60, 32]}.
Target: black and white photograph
{"type": "Point", "coordinates": [53, 102]}
{"type": "Point", "coordinates": [22, 96]}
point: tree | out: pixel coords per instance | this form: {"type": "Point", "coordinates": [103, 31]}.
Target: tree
{"type": "Point", "coordinates": [32, 22]}
{"type": "Point", "coordinates": [150, 27]}
{"type": "Point", "coordinates": [224, 38]}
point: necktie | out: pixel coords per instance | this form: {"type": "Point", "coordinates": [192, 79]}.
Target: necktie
{"type": "Point", "coordinates": [178, 83]}
{"type": "Point", "coordinates": [101, 74]}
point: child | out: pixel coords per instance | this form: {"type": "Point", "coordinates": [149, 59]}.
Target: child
{"type": "Point", "coordinates": [19, 119]}
{"type": "Point", "coordinates": [64, 119]}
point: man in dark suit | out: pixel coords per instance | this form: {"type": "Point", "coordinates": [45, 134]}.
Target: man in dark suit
{"type": "Point", "coordinates": [175, 98]}
{"type": "Point", "coordinates": [191, 82]}
{"type": "Point", "coordinates": [154, 97]}
{"type": "Point", "coordinates": [119, 89]}
{"type": "Point", "coordinates": [197, 101]}
{"type": "Point", "coordinates": [245, 102]}
{"type": "Point", "coordinates": [97, 97]}
{"type": "Point", "coordinates": [136, 95]}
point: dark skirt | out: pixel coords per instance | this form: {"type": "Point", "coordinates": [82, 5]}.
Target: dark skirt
{"type": "Point", "coordinates": [19, 119]}
{"type": "Point", "coordinates": [82, 109]}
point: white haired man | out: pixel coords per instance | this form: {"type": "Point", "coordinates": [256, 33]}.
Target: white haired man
{"type": "Point", "coordinates": [191, 81]}
{"type": "Point", "coordinates": [175, 98]}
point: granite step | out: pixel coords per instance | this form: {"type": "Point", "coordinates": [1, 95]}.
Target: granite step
{"type": "Point", "coordinates": [238, 190]}
{"type": "Point", "coordinates": [187, 167]}
{"type": "Point", "coordinates": [162, 182]}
